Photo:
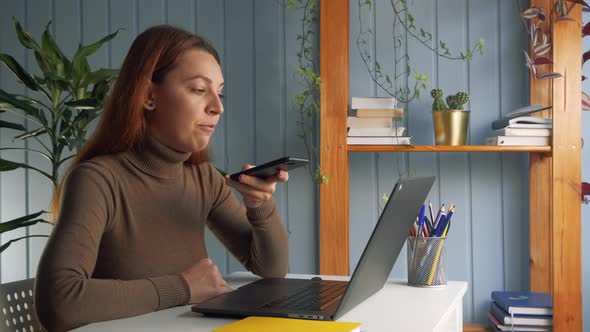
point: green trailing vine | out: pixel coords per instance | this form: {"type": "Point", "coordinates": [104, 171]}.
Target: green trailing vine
{"type": "Point", "coordinates": [400, 85]}
{"type": "Point", "coordinates": [405, 84]}
{"type": "Point", "coordinates": [306, 103]}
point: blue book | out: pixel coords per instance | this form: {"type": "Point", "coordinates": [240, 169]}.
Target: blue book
{"type": "Point", "coordinates": [511, 319]}
{"type": "Point", "coordinates": [524, 303]}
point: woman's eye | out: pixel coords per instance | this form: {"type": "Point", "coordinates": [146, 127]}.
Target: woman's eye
{"type": "Point", "coordinates": [199, 91]}
{"type": "Point", "coordinates": [221, 96]}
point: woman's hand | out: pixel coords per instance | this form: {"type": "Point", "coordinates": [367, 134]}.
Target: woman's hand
{"type": "Point", "coordinates": [256, 191]}
{"type": "Point", "coordinates": [205, 281]}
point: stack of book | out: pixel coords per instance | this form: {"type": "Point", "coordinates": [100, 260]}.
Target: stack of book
{"type": "Point", "coordinates": [377, 121]}
{"type": "Point", "coordinates": [521, 311]}
{"type": "Point", "coordinates": [519, 128]}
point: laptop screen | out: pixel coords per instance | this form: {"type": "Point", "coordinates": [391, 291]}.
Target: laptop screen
{"type": "Point", "coordinates": [386, 241]}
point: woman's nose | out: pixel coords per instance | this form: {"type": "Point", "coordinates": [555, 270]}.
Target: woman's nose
{"type": "Point", "coordinates": [215, 106]}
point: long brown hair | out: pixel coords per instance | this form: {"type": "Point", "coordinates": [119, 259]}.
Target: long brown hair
{"type": "Point", "coordinates": [123, 124]}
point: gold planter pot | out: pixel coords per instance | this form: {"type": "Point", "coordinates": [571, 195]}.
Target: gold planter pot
{"type": "Point", "coordinates": [450, 127]}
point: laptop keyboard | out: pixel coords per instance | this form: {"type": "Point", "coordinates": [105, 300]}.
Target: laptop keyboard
{"type": "Point", "coordinates": [316, 296]}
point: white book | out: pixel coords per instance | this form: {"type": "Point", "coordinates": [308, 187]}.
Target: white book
{"type": "Point", "coordinates": [379, 140]}
{"type": "Point", "coordinates": [511, 131]}
{"type": "Point", "coordinates": [519, 140]}
{"type": "Point", "coordinates": [355, 122]}
{"type": "Point", "coordinates": [373, 102]}
{"type": "Point", "coordinates": [397, 131]}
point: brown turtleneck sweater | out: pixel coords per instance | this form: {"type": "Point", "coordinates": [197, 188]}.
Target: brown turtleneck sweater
{"type": "Point", "coordinates": [130, 223]}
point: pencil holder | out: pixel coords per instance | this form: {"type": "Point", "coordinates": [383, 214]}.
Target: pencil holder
{"type": "Point", "coordinates": [427, 261]}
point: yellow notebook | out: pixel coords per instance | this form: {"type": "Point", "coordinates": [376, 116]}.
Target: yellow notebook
{"type": "Point", "coordinates": [272, 324]}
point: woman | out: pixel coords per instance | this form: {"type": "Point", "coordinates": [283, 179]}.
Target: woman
{"type": "Point", "coordinates": [129, 238]}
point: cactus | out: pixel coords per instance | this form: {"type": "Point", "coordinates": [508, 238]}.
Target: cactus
{"type": "Point", "coordinates": [455, 102]}
{"type": "Point", "coordinates": [452, 101]}
{"type": "Point", "coordinates": [461, 98]}
{"type": "Point", "coordinates": [438, 104]}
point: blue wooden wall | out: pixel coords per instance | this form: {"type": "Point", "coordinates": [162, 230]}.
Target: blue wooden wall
{"type": "Point", "coordinates": [488, 244]}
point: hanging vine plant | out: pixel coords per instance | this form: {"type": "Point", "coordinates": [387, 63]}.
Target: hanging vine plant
{"type": "Point", "coordinates": [406, 83]}
{"type": "Point", "coordinates": [307, 102]}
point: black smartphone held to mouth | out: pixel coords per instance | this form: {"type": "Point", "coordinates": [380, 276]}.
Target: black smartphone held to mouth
{"type": "Point", "coordinates": [271, 168]}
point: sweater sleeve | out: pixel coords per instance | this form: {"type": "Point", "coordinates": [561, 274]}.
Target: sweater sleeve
{"type": "Point", "coordinates": [66, 295]}
{"type": "Point", "coordinates": [256, 237]}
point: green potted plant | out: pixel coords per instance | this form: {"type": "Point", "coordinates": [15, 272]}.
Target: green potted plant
{"type": "Point", "coordinates": [70, 97]}
{"type": "Point", "coordinates": [450, 120]}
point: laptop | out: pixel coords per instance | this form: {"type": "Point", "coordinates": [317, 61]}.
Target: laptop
{"type": "Point", "coordinates": [326, 299]}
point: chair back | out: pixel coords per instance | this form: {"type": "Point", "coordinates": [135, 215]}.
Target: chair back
{"type": "Point", "coordinates": [17, 312]}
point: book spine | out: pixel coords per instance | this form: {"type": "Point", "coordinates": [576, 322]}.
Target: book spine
{"type": "Point", "coordinates": [508, 131]}
{"type": "Point", "coordinates": [518, 140]}
{"type": "Point", "coordinates": [377, 140]}
{"type": "Point", "coordinates": [398, 131]}
{"type": "Point", "coordinates": [380, 113]}
{"type": "Point", "coordinates": [373, 102]}
{"type": "Point", "coordinates": [354, 122]}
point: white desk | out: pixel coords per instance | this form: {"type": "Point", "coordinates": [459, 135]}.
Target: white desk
{"type": "Point", "coordinates": [397, 307]}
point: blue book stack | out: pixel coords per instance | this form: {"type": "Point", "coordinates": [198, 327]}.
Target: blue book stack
{"type": "Point", "coordinates": [521, 311]}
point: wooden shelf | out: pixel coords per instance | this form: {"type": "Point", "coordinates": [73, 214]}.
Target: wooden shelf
{"type": "Point", "coordinates": [554, 173]}
{"type": "Point", "coordinates": [446, 148]}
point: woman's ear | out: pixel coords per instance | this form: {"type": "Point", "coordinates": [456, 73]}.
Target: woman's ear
{"type": "Point", "coordinates": [148, 100]}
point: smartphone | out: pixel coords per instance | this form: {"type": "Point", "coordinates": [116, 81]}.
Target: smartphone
{"type": "Point", "coordinates": [272, 167]}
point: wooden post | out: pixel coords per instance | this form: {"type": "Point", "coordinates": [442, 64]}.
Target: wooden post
{"type": "Point", "coordinates": [566, 177]}
{"type": "Point", "coordinates": [334, 62]}
{"type": "Point", "coordinates": [540, 184]}
{"type": "Point", "coordinates": [556, 246]}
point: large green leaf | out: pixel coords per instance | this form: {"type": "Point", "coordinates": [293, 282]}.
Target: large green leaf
{"type": "Point", "coordinates": [60, 82]}
{"type": "Point", "coordinates": [11, 125]}
{"type": "Point", "coordinates": [84, 51]}
{"type": "Point", "coordinates": [25, 38]}
{"type": "Point", "coordinates": [7, 244]}
{"type": "Point", "coordinates": [80, 66]}
{"type": "Point", "coordinates": [80, 70]}
{"type": "Point", "coordinates": [20, 72]}
{"type": "Point", "coordinates": [80, 122]}
{"type": "Point", "coordinates": [100, 90]}
{"type": "Point", "coordinates": [83, 104]}
{"type": "Point", "coordinates": [7, 165]}
{"type": "Point", "coordinates": [75, 143]}
{"type": "Point", "coordinates": [102, 75]}
{"type": "Point", "coordinates": [22, 105]}
{"type": "Point", "coordinates": [32, 133]}
{"type": "Point", "coordinates": [49, 47]}
{"type": "Point", "coordinates": [64, 120]}
{"type": "Point", "coordinates": [20, 222]}
{"type": "Point", "coordinates": [5, 107]}
{"type": "Point", "coordinates": [43, 64]}
{"type": "Point", "coordinates": [37, 104]}
{"type": "Point", "coordinates": [54, 54]}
